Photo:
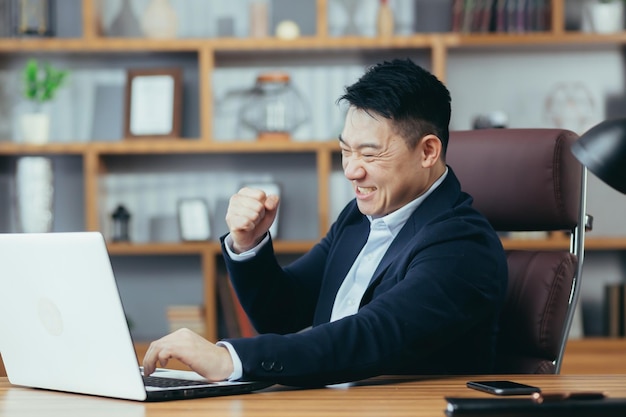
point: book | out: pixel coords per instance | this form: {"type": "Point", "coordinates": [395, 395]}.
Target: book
{"type": "Point", "coordinates": [234, 319]}
{"type": "Point", "coordinates": [191, 317]}
{"type": "Point", "coordinates": [458, 8]}
{"type": "Point", "coordinates": [501, 16]}
{"type": "Point", "coordinates": [487, 16]}
{"type": "Point", "coordinates": [468, 16]}
{"type": "Point", "coordinates": [226, 305]}
{"type": "Point", "coordinates": [7, 23]}
{"type": "Point", "coordinates": [245, 326]}
{"type": "Point", "coordinates": [615, 309]}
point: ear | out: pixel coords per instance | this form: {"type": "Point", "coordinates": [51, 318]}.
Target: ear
{"type": "Point", "coordinates": [430, 150]}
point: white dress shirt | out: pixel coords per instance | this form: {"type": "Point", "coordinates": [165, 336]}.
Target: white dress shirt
{"type": "Point", "coordinates": [383, 231]}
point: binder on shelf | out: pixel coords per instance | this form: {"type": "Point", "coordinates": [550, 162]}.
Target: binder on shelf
{"type": "Point", "coordinates": [186, 316]}
{"type": "Point", "coordinates": [228, 316]}
{"type": "Point", "coordinates": [615, 309]}
{"type": "Point", "coordinates": [457, 15]}
{"type": "Point", "coordinates": [245, 326]}
{"type": "Point", "coordinates": [234, 320]}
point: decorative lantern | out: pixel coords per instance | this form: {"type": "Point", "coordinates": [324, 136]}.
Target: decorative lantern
{"type": "Point", "coordinates": [274, 108]}
{"type": "Point", "coordinates": [121, 220]}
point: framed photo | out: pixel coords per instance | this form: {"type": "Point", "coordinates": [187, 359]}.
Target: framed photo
{"type": "Point", "coordinates": [153, 103]}
{"type": "Point", "coordinates": [193, 219]}
{"type": "Point", "coordinates": [32, 17]}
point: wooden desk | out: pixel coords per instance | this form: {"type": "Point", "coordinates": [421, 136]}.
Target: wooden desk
{"type": "Point", "coordinates": [582, 356]}
{"type": "Point", "coordinates": [414, 397]}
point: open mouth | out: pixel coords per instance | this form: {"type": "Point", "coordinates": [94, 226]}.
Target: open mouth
{"type": "Point", "coordinates": [365, 190]}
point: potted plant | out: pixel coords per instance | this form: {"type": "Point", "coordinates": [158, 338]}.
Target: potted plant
{"type": "Point", "coordinates": [603, 16]}
{"type": "Point", "coordinates": [40, 83]}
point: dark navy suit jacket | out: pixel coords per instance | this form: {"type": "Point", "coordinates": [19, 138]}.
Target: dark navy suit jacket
{"type": "Point", "coordinates": [431, 308]}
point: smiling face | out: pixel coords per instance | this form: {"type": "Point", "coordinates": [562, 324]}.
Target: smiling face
{"type": "Point", "coordinates": [385, 173]}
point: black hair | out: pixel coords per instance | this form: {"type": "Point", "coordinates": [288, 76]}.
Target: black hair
{"type": "Point", "coordinates": [414, 100]}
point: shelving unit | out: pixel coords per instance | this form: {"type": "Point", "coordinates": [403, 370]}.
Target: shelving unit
{"type": "Point", "coordinates": [96, 154]}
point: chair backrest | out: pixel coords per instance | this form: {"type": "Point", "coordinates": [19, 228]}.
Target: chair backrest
{"type": "Point", "coordinates": [528, 180]}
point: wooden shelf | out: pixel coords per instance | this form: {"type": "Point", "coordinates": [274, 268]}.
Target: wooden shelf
{"type": "Point", "coordinates": [166, 146]}
{"type": "Point", "coordinates": [196, 248]}
{"type": "Point", "coordinates": [309, 43]}
{"type": "Point", "coordinates": [537, 39]}
{"type": "Point", "coordinates": [10, 148]}
{"type": "Point", "coordinates": [595, 356]}
{"type": "Point", "coordinates": [605, 243]}
{"type": "Point", "coordinates": [174, 248]}
{"type": "Point", "coordinates": [562, 243]}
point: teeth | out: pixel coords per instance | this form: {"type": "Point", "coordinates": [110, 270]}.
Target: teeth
{"type": "Point", "coordinates": [364, 190]}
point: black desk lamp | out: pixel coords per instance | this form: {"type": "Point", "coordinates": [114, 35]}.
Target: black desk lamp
{"type": "Point", "coordinates": [602, 149]}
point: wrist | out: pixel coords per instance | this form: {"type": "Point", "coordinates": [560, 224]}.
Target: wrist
{"type": "Point", "coordinates": [239, 249]}
{"type": "Point", "coordinates": [227, 363]}
{"type": "Point", "coordinates": [235, 361]}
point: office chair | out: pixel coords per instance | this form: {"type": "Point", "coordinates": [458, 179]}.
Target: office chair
{"type": "Point", "coordinates": [528, 180]}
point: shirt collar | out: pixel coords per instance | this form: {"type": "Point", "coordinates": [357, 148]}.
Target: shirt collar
{"type": "Point", "coordinates": [395, 220]}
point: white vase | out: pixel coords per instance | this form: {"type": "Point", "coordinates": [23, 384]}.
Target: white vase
{"type": "Point", "coordinates": [159, 20]}
{"type": "Point", "coordinates": [34, 194]}
{"type": "Point", "coordinates": [35, 127]}
{"type": "Point", "coordinates": [603, 17]}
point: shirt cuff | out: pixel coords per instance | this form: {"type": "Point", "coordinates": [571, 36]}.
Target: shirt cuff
{"type": "Point", "coordinates": [243, 256]}
{"type": "Point", "coordinates": [237, 365]}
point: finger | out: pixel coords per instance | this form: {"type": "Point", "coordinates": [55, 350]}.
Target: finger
{"type": "Point", "coordinates": [157, 353]}
{"type": "Point", "coordinates": [272, 201]}
{"type": "Point", "coordinates": [163, 360]}
{"type": "Point", "coordinates": [149, 361]}
{"type": "Point", "coordinates": [245, 212]}
{"type": "Point", "coordinates": [253, 193]}
{"type": "Point", "coordinates": [250, 201]}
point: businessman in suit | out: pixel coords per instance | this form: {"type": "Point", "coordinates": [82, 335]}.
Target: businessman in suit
{"type": "Point", "coordinates": [410, 278]}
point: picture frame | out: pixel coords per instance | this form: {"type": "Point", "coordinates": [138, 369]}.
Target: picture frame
{"type": "Point", "coordinates": [33, 17]}
{"type": "Point", "coordinates": [153, 103]}
{"type": "Point", "coordinates": [193, 219]}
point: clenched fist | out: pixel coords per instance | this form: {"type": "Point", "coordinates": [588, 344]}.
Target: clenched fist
{"type": "Point", "coordinates": [250, 214]}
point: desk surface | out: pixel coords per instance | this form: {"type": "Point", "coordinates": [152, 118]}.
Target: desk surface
{"type": "Point", "coordinates": [414, 397]}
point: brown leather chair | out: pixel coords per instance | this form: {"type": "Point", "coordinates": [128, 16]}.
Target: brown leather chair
{"type": "Point", "coordinates": [528, 180]}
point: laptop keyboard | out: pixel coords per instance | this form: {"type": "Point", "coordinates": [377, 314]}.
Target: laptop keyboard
{"type": "Point", "coordinates": [155, 381]}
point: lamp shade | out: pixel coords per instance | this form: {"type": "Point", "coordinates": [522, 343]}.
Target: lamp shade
{"type": "Point", "coordinates": [602, 149]}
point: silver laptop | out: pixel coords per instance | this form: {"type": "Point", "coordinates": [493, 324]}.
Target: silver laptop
{"type": "Point", "coordinates": [62, 324]}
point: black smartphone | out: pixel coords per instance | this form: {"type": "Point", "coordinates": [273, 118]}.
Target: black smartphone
{"type": "Point", "coordinates": [503, 387]}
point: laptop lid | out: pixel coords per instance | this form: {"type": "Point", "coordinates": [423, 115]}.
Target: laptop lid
{"type": "Point", "coordinates": [62, 324]}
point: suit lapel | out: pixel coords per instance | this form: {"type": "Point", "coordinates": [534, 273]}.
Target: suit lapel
{"type": "Point", "coordinates": [349, 244]}
{"type": "Point", "coordinates": [440, 200]}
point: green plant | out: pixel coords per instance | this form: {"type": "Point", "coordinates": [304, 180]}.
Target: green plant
{"type": "Point", "coordinates": [41, 82]}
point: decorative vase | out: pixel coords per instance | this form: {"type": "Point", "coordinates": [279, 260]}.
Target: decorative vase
{"type": "Point", "coordinates": [125, 23]}
{"type": "Point", "coordinates": [350, 7]}
{"type": "Point", "coordinates": [35, 127]}
{"type": "Point", "coordinates": [384, 19]}
{"type": "Point", "coordinates": [34, 194]}
{"type": "Point", "coordinates": [159, 20]}
{"type": "Point", "coordinates": [603, 17]}
{"type": "Point", "coordinates": [259, 19]}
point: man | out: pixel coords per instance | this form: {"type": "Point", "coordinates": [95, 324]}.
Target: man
{"type": "Point", "coordinates": [409, 279]}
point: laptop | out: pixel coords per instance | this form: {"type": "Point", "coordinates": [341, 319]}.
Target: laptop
{"type": "Point", "coordinates": [62, 324]}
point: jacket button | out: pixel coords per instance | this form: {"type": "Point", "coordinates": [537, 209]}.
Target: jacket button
{"type": "Point", "coordinates": [272, 366]}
